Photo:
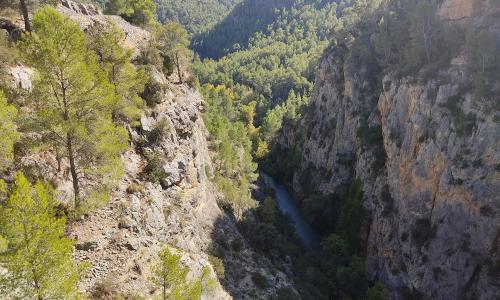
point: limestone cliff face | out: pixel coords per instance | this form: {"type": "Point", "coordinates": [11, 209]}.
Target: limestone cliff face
{"type": "Point", "coordinates": [429, 169]}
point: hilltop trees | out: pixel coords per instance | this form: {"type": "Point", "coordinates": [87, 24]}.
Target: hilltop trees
{"type": "Point", "coordinates": [37, 256]}
{"type": "Point", "coordinates": [73, 102]}
{"type": "Point", "coordinates": [173, 41]}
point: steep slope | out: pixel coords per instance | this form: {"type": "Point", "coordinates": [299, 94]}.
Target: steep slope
{"type": "Point", "coordinates": [427, 154]}
{"type": "Point", "coordinates": [121, 240]}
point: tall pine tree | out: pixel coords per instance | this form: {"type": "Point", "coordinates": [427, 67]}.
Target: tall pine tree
{"type": "Point", "coordinates": [73, 103]}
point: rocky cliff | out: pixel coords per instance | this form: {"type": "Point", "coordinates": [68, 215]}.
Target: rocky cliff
{"type": "Point", "coordinates": [121, 240]}
{"type": "Point", "coordinates": [428, 156]}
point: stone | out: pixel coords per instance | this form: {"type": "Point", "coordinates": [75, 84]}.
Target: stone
{"type": "Point", "coordinates": [87, 246]}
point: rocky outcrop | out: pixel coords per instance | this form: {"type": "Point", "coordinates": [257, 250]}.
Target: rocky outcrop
{"type": "Point", "coordinates": [427, 152]}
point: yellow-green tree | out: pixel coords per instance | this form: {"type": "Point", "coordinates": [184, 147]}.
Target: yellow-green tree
{"type": "Point", "coordinates": [128, 82]}
{"type": "Point", "coordinates": [173, 40]}
{"type": "Point", "coordinates": [36, 254]}
{"type": "Point", "coordinates": [73, 103]}
{"type": "Point", "coordinates": [171, 277]}
{"type": "Point", "coordinates": [8, 114]}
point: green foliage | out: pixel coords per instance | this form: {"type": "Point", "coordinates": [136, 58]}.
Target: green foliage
{"type": "Point", "coordinates": [154, 92]}
{"type": "Point", "coordinates": [127, 81]}
{"type": "Point", "coordinates": [38, 257]}
{"type": "Point", "coordinates": [154, 167]}
{"type": "Point", "coordinates": [73, 103]}
{"type": "Point", "coordinates": [170, 276]}
{"type": "Point", "coordinates": [139, 12]}
{"type": "Point", "coordinates": [483, 60]}
{"type": "Point", "coordinates": [218, 266]}
{"type": "Point", "coordinates": [234, 166]}
{"type": "Point", "coordinates": [422, 232]}
{"type": "Point", "coordinates": [195, 17]}
{"type": "Point", "coordinates": [352, 214]}
{"type": "Point", "coordinates": [159, 132]}
{"type": "Point", "coordinates": [259, 280]}
{"type": "Point", "coordinates": [336, 251]}
{"type": "Point", "coordinates": [10, 136]}
{"type": "Point", "coordinates": [173, 41]}
{"type": "Point", "coordinates": [268, 210]}
{"type": "Point", "coordinates": [410, 35]}
{"type": "Point", "coordinates": [377, 292]}
{"type": "Point", "coordinates": [351, 279]}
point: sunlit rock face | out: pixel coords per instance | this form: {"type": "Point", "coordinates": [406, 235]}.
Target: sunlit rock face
{"type": "Point", "coordinates": [431, 183]}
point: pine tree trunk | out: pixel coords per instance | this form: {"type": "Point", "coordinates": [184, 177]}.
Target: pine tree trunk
{"type": "Point", "coordinates": [178, 64]}
{"type": "Point", "coordinates": [72, 166]}
{"type": "Point", "coordinates": [24, 9]}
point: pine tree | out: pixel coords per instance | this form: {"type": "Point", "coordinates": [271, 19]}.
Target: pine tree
{"type": "Point", "coordinates": [128, 82]}
{"type": "Point", "coordinates": [173, 40]}
{"type": "Point", "coordinates": [171, 277]}
{"type": "Point", "coordinates": [8, 114]}
{"type": "Point", "coordinates": [37, 255]}
{"type": "Point", "coordinates": [73, 102]}
{"type": "Point", "coordinates": [139, 12]}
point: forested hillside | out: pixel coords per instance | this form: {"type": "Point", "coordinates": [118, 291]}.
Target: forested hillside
{"type": "Point", "coordinates": [196, 16]}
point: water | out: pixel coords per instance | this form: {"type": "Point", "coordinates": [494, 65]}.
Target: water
{"type": "Point", "coordinates": [287, 206]}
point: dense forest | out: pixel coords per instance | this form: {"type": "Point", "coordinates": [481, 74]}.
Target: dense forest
{"type": "Point", "coordinates": [195, 16]}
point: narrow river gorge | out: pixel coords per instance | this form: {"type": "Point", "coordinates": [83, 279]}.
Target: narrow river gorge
{"type": "Point", "coordinates": [288, 206]}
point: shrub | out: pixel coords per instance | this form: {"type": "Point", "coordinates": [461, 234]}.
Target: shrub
{"type": "Point", "coordinates": [154, 168]}
{"type": "Point", "coordinates": [218, 266]}
{"type": "Point", "coordinates": [377, 292]}
{"type": "Point", "coordinates": [193, 82]}
{"type": "Point", "coordinates": [286, 294]}
{"type": "Point", "coordinates": [160, 131]}
{"type": "Point", "coordinates": [153, 92]}
{"type": "Point", "coordinates": [237, 244]}
{"type": "Point", "coordinates": [487, 211]}
{"type": "Point", "coordinates": [422, 232]}
{"type": "Point", "coordinates": [134, 188]}
{"type": "Point", "coordinates": [259, 280]}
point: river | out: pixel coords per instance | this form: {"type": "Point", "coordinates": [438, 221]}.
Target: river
{"type": "Point", "coordinates": [287, 206]}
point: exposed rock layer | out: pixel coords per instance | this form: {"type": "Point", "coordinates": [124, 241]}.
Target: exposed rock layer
{"type": "Point", "coordinates": [417, 163]}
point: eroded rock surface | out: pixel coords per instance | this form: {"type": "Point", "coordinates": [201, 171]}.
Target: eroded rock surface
{"type": "Point", "coordinates": [428, 154]}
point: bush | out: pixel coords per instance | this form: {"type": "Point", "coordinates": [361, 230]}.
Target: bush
{"type": "Point", "coordinates": [422, 232]}
{"type": "Point", "coordinates": [259, 280]}
{"type": "Point", "coordinates": [237, 244]}
{"type": "Point", "coordinates": [154, 168]}
{"type": "Point", "coordinates": [134, 188]}
{"type": "Point", "coordinates": [218, 266]}
{"type": "Point", "coordinates": [193, 82]}
{"type": "Point", "coordinates": [377, 292]}
{"type": "Point", "coordinates": [153, 92]}
{"type": "Point", "coordinates": [160, 131]}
